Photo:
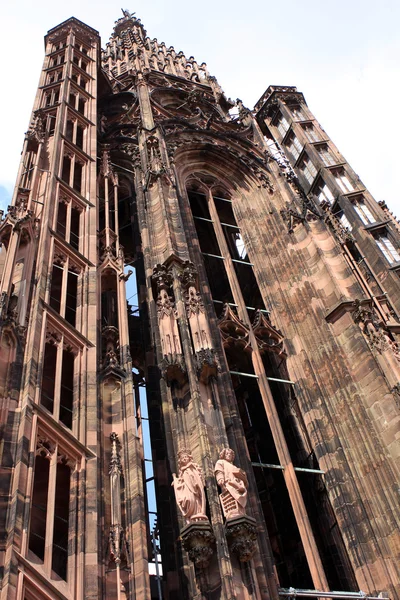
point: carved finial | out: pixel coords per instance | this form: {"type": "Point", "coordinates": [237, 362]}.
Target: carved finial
{"type": "Point", "coordinates": [127, 14]}
{"type": "Point", "coordinates": [115, 461]}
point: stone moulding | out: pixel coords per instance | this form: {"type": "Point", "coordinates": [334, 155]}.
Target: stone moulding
{"type": "Point", "coordinates": [241, 534]}
{"type": "Point", "coordinates": [206, 364]}
{"type": "Point", "coordinates": [173, 369]}
{"type": "Point", "coordinates": [198, 540]}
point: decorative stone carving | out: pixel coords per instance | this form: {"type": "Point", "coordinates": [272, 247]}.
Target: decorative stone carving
{"type": "Point", "coordinates": [161, 277]}
{"type": "Point", "coordinates": [189, 488]}
{"type": "Point", "coordinates": [173, 369]}
{"type": "Point", "coordinates": [268, 338]}
{"type": "Point", "coordinates": [44, 447]}
{"type": "Point", "coordinates": [37, 128]}
{"type": "Point", "coordinates": [342, 233]}
{"type": "Point", "coordinates": [301, 210]}
{"type": "Point", "coordinates": [3, 304]}
{"type": "Point", "coordinates": [207, 364]}
{"type": "Point", "coordinates": [396, 393]}
{"type": "Point", "coordinates": [115, 472]}
{"type": "Point", "coordinates": [198, 540]}
{"type": "Point", "coordinates": [233, 483]}
{"type": "Point", "coordinates": [106, 168]}
{"type": "Point", "coordinates": [206, 360]}
{"type": "Point", "coordinates": [374, 330]}
{"type": "Point", "coordinates": [233, 331]}
{"type": "Point", "coordinates": [64, 459]}
{"type": "Point", "coordinates": [241, 534]}
{"type": "Point", "coordinates": [173, 364]}
{"type": "Point", "coordinates": [156, 166]}
{"type": "Point", "coordinates": [197, 319]}
{"type": "Point", "coordinates": [53, 337]}
{"type": "Point", "coordinates": [110, 336]}
{"type": "Point", "coordinates": [59, 259]}
{"type": "Point", "coordinates": [245, 114]}
{"type": "Point", "coordinates": [167, 316]}
{"type": "Point", "coordinates": [18, 215]}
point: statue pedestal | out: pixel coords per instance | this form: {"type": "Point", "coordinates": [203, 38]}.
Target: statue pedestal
{"type": "Point", "coordinates": [198, 540]}
{"type": "Point", "coordinates": [241, 534]}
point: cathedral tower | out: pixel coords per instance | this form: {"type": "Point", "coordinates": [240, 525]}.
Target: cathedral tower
{"type": "Point", "coordinates": [263, 353]}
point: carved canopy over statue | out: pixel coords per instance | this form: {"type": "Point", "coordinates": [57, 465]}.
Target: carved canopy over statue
{"type": "Point", "coordinates": [189, 488]}
{"type": "Point", "coordinates": [233, 483]}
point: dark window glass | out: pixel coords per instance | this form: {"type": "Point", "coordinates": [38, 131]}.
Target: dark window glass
{"type": "Point", "coordinates": [37, 532]}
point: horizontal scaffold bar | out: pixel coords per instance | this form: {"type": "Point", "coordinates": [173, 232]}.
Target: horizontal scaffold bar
{"type": "Point", "coordinates": [302, 469]}
{"type": "Point", "coordinates": [215, 197]}
{"type": "Point", "coordinates": [243, 262]}
{"type": "Point", "coordinates": [292, 593]}
{"type": "Point", "coordinates": [263, 310]}
{"type": "Point", "coordinates": [256, 377]}
{"type": "Point", "coordinates": [203, 219]}
{"type": "Point", "coordinates": [211, 221]}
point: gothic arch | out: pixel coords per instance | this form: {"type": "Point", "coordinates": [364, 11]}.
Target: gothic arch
{"type": "Point", "coordinates": [214, 161]}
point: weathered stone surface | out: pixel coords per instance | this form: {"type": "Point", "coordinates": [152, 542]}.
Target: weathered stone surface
{"type": "Point", "coordinates": [266, 321]}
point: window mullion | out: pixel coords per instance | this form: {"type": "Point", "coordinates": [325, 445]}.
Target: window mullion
{"type": "Point", "coordinates": [57, 379]}
{"type": "Point", "coordinates": [63, 298]}
{"type": "Point", "coordinates": [68, 222]}
{"type": "Point", "coordinates": [75, 126]}
{"type": "Point", "coordinates": [71, 175]}
{"type": "Point", "coordinates": [48, 548]}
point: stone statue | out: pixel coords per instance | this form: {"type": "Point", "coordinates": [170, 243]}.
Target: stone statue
{"type": "Point", "coordinates": [189, 488]}
{"type": "Point", "coordinates": [233, 483]}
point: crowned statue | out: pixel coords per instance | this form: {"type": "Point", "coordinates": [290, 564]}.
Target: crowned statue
{"type": "Point", "coordinates": [189, 488]}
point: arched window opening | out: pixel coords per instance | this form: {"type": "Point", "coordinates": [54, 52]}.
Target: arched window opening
{"type": "Point", "coordinates": [56, 287]}
{"type": "Point", "coordinates": [58, 380]}
{"type": "Point", "coordinates": [67, 388]}
{"type": "Point", "coordinates": [69, 131]}
{"type": "Point", "coordinates": [77, 180]}
{"type": "Point", "coordinates": [109, 299]}
{"type": "Point", "coordinates": [238, 251]}
{"type": "Point", "coordinates": [323, 521]}
{"type": "Point", "coordinates": [81, 105]}
{"type": "Point", "coordinates": [68, 212]}
{"type": "Point", "coordinates": [79, 136]}
{"type": "Point", "coordinates": [283, 533]}
{"type": "Point", "coordinates": [48, 376]}
{"type": "Point", "coordinates": [66, 169]}
{"type": "Point", "coordinates": [29, 165]}
{"type": "Point", "coordinates": [61, 520]}
{"type": "Point", "coordinates": [72, 297]}
{"type": "Point", "coordinates": [50, 505]}
{"type": "Point", "coordinates": [102, 216]}
{"type": "Point", "coordinates": [75, 227]}
{"type": "Point", "coordinates": [127, 224]}
{"type": "Point", "coordinates": [64, 289]}
{"type": "Point", "coordinates": [213, 262]}
{"type": "Point", "coordinates": [37, 532]}
{"type": "Point", "coordinates": [62, 219]}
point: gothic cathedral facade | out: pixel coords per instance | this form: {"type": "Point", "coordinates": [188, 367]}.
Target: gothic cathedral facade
{"type": "Point", "coordinates": [263, 354]}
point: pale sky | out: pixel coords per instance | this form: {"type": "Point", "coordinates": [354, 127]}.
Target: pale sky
{"type": "Point", "coordinates": [343, 55]}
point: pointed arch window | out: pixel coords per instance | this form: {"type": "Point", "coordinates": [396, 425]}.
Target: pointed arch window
{"type": "Point", "coordinates": [53, 498]}
{"type": "Point", "coordinates": [59, 392]}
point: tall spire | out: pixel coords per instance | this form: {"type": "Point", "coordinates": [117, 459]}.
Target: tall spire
{"type": "Point", "coordinates": [131, 50]}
